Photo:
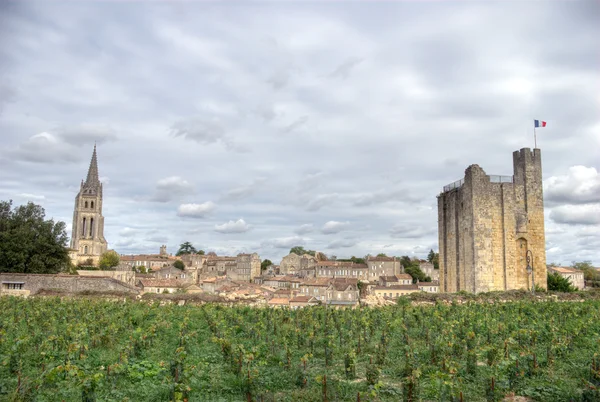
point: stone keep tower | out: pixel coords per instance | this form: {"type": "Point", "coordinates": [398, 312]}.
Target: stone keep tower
{"type": "Point", "coordinates": [87, 236]}
{"type": "Point", "coordinates": [487, 223]}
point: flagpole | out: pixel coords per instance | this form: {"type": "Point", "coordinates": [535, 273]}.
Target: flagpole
{"type": "Point", "coordinates": [534, 138]}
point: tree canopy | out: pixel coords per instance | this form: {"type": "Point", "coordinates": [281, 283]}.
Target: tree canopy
{"type": "Point", "coordinates": [29, 243]}
{"type": "Point", "coordinates": [265, 264]}
{"type": "Point", "coordinates": [109, 260]}
{"type": "Point", "coordinates": [559, 283]}
{"type": "Point", "coordinates": [412, 268]}
{"type": "Point", "coordinates": [590, 274]}
{"type": "Point", "coordinates": [186, 248]}
{"type": "Point", "coordinates": [179, 264]}
{"type": "Point", "coordinates": [301, 251]}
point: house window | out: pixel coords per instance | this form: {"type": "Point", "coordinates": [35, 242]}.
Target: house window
{"type": "Point", "coordinates": [86, 204]}
{"type": "Point", "coordinates": [92, 204]}
{"type": "Point", "coordinates": [13, 286]}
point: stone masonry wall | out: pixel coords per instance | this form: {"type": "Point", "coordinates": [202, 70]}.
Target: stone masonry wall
{"type": "Point", "coordinates": [68, 283]}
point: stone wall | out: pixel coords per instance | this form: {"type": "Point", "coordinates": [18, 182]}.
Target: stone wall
{"type": "Point", "coordinates": [67, 283]}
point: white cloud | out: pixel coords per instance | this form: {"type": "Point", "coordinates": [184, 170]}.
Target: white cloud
{"type": "Point", "coordinates": [576, 214]}
{"type": "Point", "coordinates": [196, 210]}
{"type": "Point", "coordinates": [579, 186]}
{"type": "Point", "coordinates": [31, 197]}
{"type": "Point", "coordinates": [286, 242]}
{"type": "Point", "coordinates": [410, 232]}
{"type": "Point", "coordinates": [332, 227]}
{"type": "Point", "coordinates": [127, 232]}
{"type": "Point", "coordinates": [239, 226]}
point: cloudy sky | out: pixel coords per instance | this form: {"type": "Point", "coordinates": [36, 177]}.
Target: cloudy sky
{"type": "Point", "coordinates": [246, 126]}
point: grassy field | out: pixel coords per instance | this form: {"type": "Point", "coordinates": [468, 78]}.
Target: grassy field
{"type": "Point", "coordinates": [54, 349]}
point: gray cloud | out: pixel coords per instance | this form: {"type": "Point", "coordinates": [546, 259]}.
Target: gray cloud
{"type": "Point", "coordinates": [343, 70]}
{"type": "Point", "coordinates": [299, 122]}
{"type": "Point", "coordinates": [321, 201]}
{"type": "Point", "coordinates": [304, 229]}
{"type": "Point", "coordinates": [285, 242]}
{"type": "Point", "coordinates": [171, 188]}
{"type": "Point", "coordinates": [244, 191]}
{"type": "Point", "coordinates": [342, 243]}
{"type": "Point", "coordinates": [410, 232]}
{"type": "Point", "coordinates": [576, 214]}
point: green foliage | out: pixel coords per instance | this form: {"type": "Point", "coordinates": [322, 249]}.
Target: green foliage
{"type": "Point", "coordinates": [200, 252]}
{"type": "Point", "coordinates": [85, 349]}
{"type": "Point", "coordinates": [186, 248]}
{"type": "Point", "coordinates": [179, 264]}
{"type": "Point", "coordinates": [558, 283]}
{"type": "Point", "coordinates": [381, 255]}
{"type": "Point", "coordinates": [434, 258]}
{"type": "Point", "coordinates": [353, 259]}
{"type": "Point", "coordinates": [109, 260]}
{"type": "Point", "coordinates": [265, 264]}
{"type": "Point", "coordinates": [29, 243]}
{"type": "Point", "coordinates": [299, 250]}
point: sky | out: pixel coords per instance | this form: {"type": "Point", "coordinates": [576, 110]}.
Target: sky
{"type": "Point", "coordinates": [258, 126]}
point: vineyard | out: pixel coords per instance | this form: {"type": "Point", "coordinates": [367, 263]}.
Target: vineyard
{"type": "Point", "coordinates": [54, 349]}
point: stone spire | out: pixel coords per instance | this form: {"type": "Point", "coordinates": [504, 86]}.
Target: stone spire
{"type": "Point", "coordinates": [92, 180]}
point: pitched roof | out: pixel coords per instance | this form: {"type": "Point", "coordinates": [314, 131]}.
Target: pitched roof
{"type": "Point", "coordinates": [161, 283]}
{"type": "Point", "coordinates": [398, 287]}
{"type": "Point", "coordinates": [392, 278]}
{"type": "Point", "coordinates": [428, 284]}
{"type": "Point", "coordinates": [279, 300]}
{"type": "Point", "coordinates": [302, 299]}
{"type": "Point", "coordinates": [387, 259]}
{"type": "Point", "coordinates": [316, 282]}
{"type": "Point", "coordinates": [565, 270]}
{"type": "Point", "coordinates": [404, 276]}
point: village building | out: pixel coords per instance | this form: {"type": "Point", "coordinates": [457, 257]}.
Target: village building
{"type": "Point", "coordinates": [149, 262]}
{"type": "Point", "coordinates": [383, 266]}
{"type": "Point", "coordinates": [491, 228]}
{"type": "Point", "coordinates": [342, 292]}
{"type": "Point", "coordinates": [87, 234]}
{"type": "Point", "coordinates": [160, 285]}
{"type": "Point", "coordinates": [293, 264]}
{"type": "Point", "coordinates": [279, 303]}
{"type": "Point", "coordinates": [170, 272]}
{"type": "Point", "coordinates": [395, 291]}
{"type": "Point", "coordinates": [429, 287]}
{"type": "Point", "coordinates": [247, 267]}
{"type": "Point", "coordinates": [341, 269]}
{"type": "Point", "coordinates": [393, 280]}
{"type": "Point", "coordinates": [574, 276]}
{"type": "Point", "coordinates": [126, 276]}
{"type": "Point", "coordinates": [428, 269]}
{"type": "Point", "coordinates": [316, 287]}
{"type": "Point", "coordinates": [303, 301]}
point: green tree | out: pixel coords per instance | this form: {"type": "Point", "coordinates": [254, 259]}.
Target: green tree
{"type": "Point", "coordinates": [431, 256]}
{"type": "Point", "coordinates": [179, 265]}
{"type": "Point", "coordinates": [200, 252]}
{"type": "Point", "coordinates": [265, 264]}
{"type": "Point", "coordinates": [186, 248]}
{"type": "Point", "coordinates": [109, 260]}
{"type": "Point", "coordinates": [29, 243]}
{"type": "Point", "coordinates": [381, 255]}
{"type": "Point", "coordinates": [301, 251]}
{"type": "Point", "coordinates": [558, 283]}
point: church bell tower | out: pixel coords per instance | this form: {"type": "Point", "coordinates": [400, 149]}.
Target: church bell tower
{"type": "Point", "coordinates": [87, 236]}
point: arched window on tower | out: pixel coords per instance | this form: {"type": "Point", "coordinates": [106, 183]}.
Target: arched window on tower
{"type": "Point", "coordinates": [83, 228]}
{"type": "Point", "coordinates": [92, 205]}
{"type": "Point", "coordinates": [86, 205]}
{"type": "Point", "coordinates": [91, 227]}
{"type": "Point", "coordinates": [85, 250]}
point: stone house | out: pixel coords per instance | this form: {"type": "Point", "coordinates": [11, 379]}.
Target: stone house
{"type": "Point", "coordinates": [279, 302]}
{"type": "Point", "coordinates": [383, 266]}
{"type": "Point", "coordinates": [171, 272]}
{"type": "Point", "coordinates": [575, 276]}
{"type": "Point", "coordinates": [148, 261]}
{"type": "Point", "coordinates": [294, 263]}
{"type": "Point", "coordinates": [303, 301]}
{"type": "Point", "coordinates": [429, 270]}
{"type": "Point", "coordinates": [316, 287]}
{"type": "Point", "coordinates": [211, 284]}
{"type": "Point", "coordinates": [160, 285]}
{"type": "Point", "coordinates": [247, 267]}
{"type": "Point", "coordinates": [429, 287]}
{"type": "Point", "coordinates": [341, 269]}
{"type": "Point", "coordinates": [393, 280]}
{"type": "Point", "coordinates": [395, 291]}
{"type": "Point", "coordinates": [342, 293]}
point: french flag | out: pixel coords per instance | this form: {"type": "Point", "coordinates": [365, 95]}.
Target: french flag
{"type": "Point", "coordinates": [539, 123]}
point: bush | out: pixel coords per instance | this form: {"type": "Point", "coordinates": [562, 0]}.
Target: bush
{"type": "Point", "coordinates": [558, 283]}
